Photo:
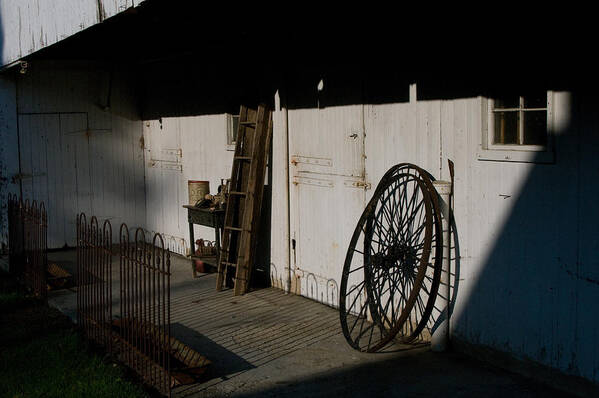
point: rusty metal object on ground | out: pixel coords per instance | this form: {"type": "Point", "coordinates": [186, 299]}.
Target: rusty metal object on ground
{"type": "Point", "coordinates": [58, 277]}
{"type": "Point", "coordinates": [393, 264]}
{"type": "Point", "coordinates": [187, 365]}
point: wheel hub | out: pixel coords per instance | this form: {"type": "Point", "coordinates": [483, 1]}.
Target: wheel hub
{"type": "Point", "coordinates": [399, 255]}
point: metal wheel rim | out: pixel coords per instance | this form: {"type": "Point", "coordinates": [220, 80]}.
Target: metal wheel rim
{"type": "Point", "coordinates": [428, 295]}
{"type": "Point", "coordinates": [386, 326]}
{"type": "Point", "coordinates": [423, 311]}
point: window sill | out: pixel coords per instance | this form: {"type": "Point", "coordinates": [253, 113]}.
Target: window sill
{"type": "Point", "coordinates": [543, 157]}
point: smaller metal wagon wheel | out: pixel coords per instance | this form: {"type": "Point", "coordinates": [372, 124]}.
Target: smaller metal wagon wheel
{"type": "Point", "coordinates": [421, 315]}
{"type": "Point", "coordinates": [387, 261]}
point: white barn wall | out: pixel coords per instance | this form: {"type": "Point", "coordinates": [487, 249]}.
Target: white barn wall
{"type": "Point", "coordinates": [524, 273]}
{"type": "Point", "coordinates": [27, 26]}
{"type": "Point", "coordinates": [327, 146]}
{"type": "Point", "coordinates": [280, 241]}
{"type": "Point", "coordinates": [77, 156]}
{"type": "Point", "coordinates": [528, 269]}
{"type": "Point", "coordinates": [9, 150]}
{"type": "Point", "coordinates": [202, 141]}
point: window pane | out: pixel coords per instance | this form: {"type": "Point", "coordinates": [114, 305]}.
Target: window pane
{"type": "Point", "coordinates": [235, 127]}
{"type": "Point", "coordinates": [536, 100]}
{"type": "Point", "coordinates": [232, 126]}
{"type": "Point", "coordinates": [506, 128]}
{"type": "Point", "coordinates": [506, 102]}
{"type": "Point", "coordinates": [535, 128]}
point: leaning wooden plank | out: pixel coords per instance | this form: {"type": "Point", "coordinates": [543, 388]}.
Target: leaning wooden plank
{"type": "Point", "coordinates": [242, 270]}
{"type": "Point", "coordinates": [232, 205]}
{"type": "Point", "coordinates": [236, 203]}
{"type": "Point", "coordinates": [253, 202]}
{"type": "Point", "coordinates": [259, 196]}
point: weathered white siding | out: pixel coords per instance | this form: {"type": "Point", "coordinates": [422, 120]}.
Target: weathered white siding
{"type": "Point", "coordinates": [326, 149]}
{"type": "Point", "coordinates": [525, 264]}
{"type": "Point", "coordinates": [525, 260]}
{"type": "Point", "coordinates": [280, 271]}
{"type": "Point", "coordinates": [179, 149]}
{"type": "Point", "coordinates": [75, 155]}
{"type": "Point", "coordinates": [27, 26]}
{"type": "Point", "coordinates": [9, 150]}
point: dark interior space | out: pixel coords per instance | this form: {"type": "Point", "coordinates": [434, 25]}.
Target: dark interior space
{"type": "Point", "coordinates": [193, 59]}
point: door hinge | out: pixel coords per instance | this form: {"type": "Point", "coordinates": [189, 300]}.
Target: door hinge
{"type": "Point", "coordinates": [23, 176]}
{"type": "Point", "coordinates": [358, 184]}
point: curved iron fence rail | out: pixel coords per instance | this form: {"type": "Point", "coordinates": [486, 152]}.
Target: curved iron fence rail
{"type": "Point", "coordinates": [145, 307]}
{"type": "Point", "coordinates": [94, 280]}
{"type": "Point", "coordinates": [28, 244]}
{"type": "Point", "coordinates": [141, 336]}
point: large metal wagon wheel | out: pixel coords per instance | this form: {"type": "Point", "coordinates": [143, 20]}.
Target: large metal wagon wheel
{"type": "Point", "coordinates": [388, 284]}
{"type": "Point", "coordinates": [420, 316]}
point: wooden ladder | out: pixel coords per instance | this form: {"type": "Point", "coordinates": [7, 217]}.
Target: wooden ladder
{"type": "Point", "coordinates": [242, 215]}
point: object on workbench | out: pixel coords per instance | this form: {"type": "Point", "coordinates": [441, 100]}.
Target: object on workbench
{"type": "Point", "coordinates": [197, 190]}
{"type": "Point", "coordinates": [214, 202]}
{"type": "Point", "coordinates": [220, 199]}
{"type": "Point", "coordinates": [205, 202]}
{"type": "Point", "coordinates": [244, 201]}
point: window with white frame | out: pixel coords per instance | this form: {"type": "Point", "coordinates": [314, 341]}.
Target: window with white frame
{"type": "Point", "coordinates": [232, 127]}
{"type": "Point", "coordinates": [518, 128]}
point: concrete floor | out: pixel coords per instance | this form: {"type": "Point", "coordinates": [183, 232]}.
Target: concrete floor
{"type": "Point", "coordinates": [269, 344]}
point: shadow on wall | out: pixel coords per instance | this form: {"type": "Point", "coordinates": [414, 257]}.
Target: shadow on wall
{"type": "Point", "coordinates": [1, 37]}
{"type": "Point", "coordinates": [439, 313]}
{"type": "Point", "coordinates": [532, 275]}
{"type": "Point", "coordinates": [81, 148]}
{"type": "Point", "coordinates": [5, 183]}
{"type": "Point", "coordinates": [533, 289]}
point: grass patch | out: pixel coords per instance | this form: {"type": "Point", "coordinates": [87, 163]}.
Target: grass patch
{"type": "Point", "coordinates": [41, 355]}
{"type": "Point", "coordinates": [10, 302]}
{"type": "Point", "coordinates": [57, 365]}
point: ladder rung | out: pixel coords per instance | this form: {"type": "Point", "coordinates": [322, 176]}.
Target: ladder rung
{"type": "Point", "coordinates": [238, 193]}
{"type": "Point", "coordinates": [228, 263]}
{"type": "Point", "coordinates": [248, 123]}
{"type": "Point", "coordinates": [233, 228]}
{"type": "Point", "coordinates": [242, 157]}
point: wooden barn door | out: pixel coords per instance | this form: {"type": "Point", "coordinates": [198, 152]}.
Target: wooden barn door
{"type": "Point", "coordinates": [327, 190]}
{"type": "Point", "coordinates": [55, 169]}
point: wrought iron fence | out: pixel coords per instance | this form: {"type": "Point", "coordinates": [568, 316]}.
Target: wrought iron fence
{"type": "Point", "coordinates": [94, 280]}
{"type": "Point", "coordinates": [16, 236]}
{"type": "Point", "coordinates": [28, 244]}
{"type": "Point", "coordinates": [145, 307]}
{"type": "Point", "coordinates": [141, 336]}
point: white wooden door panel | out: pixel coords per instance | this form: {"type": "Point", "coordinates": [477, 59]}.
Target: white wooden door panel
{"type": "Point", "coordinates": [55, 169]}
{"type": "Point", "coordinates": [326, 193]}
